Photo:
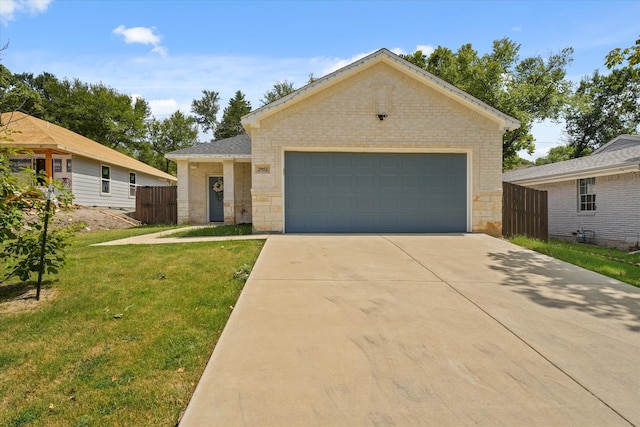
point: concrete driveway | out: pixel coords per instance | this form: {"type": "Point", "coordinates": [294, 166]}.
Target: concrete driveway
{"type": "Point", "coordinates": [442, 330]}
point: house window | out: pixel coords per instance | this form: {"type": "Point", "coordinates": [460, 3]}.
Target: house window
{"type": "Point", "coordinates": [587, 194]}
{"type": "Point", "coordinates": [19, 165]}
{"type": "Point", "coordinates": [68, 165]}
{"type": "Point", "coordinates": [57, 165]}
{"type": "Point", "coordinates": [105, 180]}
{"type": "Point", "coordinates": [132, 184]}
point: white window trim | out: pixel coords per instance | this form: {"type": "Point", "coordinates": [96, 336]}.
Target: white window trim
{"type": "Point", "coordinates": [134, 185]}
{"type": "Point", "coordinates": [102, 193]}
{"type": "Point", "coordinates": [588, 193]}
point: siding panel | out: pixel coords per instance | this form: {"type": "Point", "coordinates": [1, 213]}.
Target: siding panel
{"type": "Point", "coordinates": [86, 184]}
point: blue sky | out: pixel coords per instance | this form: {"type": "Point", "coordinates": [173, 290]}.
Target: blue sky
{"type": "Point", "coordinates": [169, 51]}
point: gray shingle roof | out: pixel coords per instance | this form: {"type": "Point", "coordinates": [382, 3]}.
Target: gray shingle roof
{"type": "Point", "coordinates": [234, 147]}
{"type": "Point", "coordinates": [614, 159]}
{"type": "Point", "coordinates": [619, 143]}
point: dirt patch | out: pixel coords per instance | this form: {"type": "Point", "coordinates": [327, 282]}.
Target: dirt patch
{"type": "Point", "coordinates": [98, 218]}
{"type": "Point", "coordinates": [21, 297]}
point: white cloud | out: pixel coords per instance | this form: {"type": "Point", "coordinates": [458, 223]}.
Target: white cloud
{"type": "Point", "coordinates": [142, 35]}
{"type": "Point", "coordinates": [160, 50]}
{"type": "Point", "coordinates": [517, 29]}
{"type": "Point", "coordinates": [162, 108]}
{"type": "Point", "coordinates": [9, 8]}
{"type": "Point", "coordinates": [337, 63]}
{"type": "Point", "coordinates": [426, 49]}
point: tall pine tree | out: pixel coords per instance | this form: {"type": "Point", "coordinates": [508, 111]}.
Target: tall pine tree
{"type": "Point", "coordinates": [230, 124]}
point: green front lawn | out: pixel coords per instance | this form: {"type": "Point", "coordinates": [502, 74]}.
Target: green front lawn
{"type": "Point", "coordinates": [122, 334]}
{"type": "Point", "coordinates": [214, 230]}
{"type": "Point", "coordinates": [610, 262]}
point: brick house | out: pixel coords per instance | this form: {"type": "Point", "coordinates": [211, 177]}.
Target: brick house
{"type": "Point", "coordinates": [594, 197]}
{"type": "Point", "coordinates": [377, 146]}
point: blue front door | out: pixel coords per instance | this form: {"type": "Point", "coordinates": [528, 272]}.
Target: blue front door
{"type": "Point", "coordinates": [216, 199]}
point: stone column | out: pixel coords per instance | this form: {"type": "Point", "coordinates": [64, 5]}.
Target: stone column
{"type": "Point", "coordinates": [183, 191]}
{"type": "Point", "coordinates": [229, 191]}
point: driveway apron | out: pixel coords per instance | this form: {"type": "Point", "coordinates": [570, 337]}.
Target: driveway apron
{"type": "Point", "coordinates": [413, 330]}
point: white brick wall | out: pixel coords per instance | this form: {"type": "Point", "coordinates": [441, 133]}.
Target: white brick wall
{"type": "Point", "coordinates": [616, 220]}
{"type": "Point", "coordinates": [342, 117]}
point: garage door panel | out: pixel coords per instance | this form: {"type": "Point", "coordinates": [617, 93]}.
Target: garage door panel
{"type": "Point", "coordinates": [364, 204]}
{"type": "Point", "coordinates": [320, 203]}
{"type": "Point", "coordinates": [375, 192]}
{"type": "Point", "coordinates": [343, 182]}
{"type": "Point", "coordinates": [365, 182]}
{"type": "Point", "coordinates": [318, 162]}
{"type": "Point", "coordinates": [390, 182]}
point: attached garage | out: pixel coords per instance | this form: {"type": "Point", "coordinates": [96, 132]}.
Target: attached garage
{"type": "Point", "coordinates": [378, 146]}
{"type": "Point", "coordinates": [337, 192]}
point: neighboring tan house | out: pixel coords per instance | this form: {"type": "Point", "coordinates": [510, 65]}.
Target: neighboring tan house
{"type": "Point", "coordinates": [96, 175]}
{"type": "Point", "coordinates": [595, 198]}
{"type": "Point", "coordinates": [377, 146]}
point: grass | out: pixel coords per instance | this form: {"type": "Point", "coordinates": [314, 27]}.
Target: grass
{"type": "Point", "coordinates": [126, 337]}
{"type": "Point", "coordinates": [220, 230]}
{"type": "Point", "coordinates": [610, 262]}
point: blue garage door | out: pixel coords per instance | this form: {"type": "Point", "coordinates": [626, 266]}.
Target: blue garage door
{"type": "Point", "coordinates": [375, 192]}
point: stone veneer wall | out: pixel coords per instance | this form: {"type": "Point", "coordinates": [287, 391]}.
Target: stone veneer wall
{"type": "Point", "coordinates": [242, 193]}
{"type": "Point", "coordinates": [343, 118]}
{"type": "Point", "coordinates": [193, 206]}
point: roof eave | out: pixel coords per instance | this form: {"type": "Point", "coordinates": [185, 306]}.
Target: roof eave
{"type": "Point", "coordinates": [208, 157]}
{"type": "Point", "coordinates": [626, 167]}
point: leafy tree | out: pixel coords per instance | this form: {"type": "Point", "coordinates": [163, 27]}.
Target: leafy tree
{"type": "Point", "coordinates": [532, 89]}
{"type": "Point", "coordinates": [174, 133]}
{"type": "Point", "coordinates": [24, 213]}
{"type": "Point", "coordinates": [557, 154]}
{"type": "Point", "coordinates": [95, 111]}
{"type": "Point", "coordinates": [16, 95]}
{"type": "Point", "coordinates": [230, 124]}
{"type": "Point", "coordinates": [519, 162]}
{"type": "Point", "coordinates": [280, 90]}
{"type": "Point", "coordinates": [605, 106]}
{"type": "Point", "coordinates": [206, 109]}
{"type": "Point", "coordinates": [630, 54]}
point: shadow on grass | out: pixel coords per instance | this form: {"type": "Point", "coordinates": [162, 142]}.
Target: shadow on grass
{"type": "Point", "coordinates": [21, 290]}
{"type": "Point", "coordinates": [559, 285]}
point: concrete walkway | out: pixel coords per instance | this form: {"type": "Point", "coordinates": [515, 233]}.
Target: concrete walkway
{"type": "Point", "coordinates": [442, 330]}
{"type": "Point", "coordinates": [164, 238]}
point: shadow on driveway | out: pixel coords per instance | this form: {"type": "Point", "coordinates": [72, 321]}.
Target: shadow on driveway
{"type": "Point", "coordinates": [559, 286]}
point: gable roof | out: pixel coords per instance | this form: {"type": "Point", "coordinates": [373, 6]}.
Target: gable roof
{"type": "Point", "coordinates": [618, 143]}
{"type": "Point", "coordinates": [383, 55]}
{"type": "Point", "coordinates": [32, 133]}
{"type": "Point", "coordinates": [233, 148]}
{"type": "Point", "coordinates": [610, 161]}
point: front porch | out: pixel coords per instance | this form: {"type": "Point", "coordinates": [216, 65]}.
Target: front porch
{"type": "Point", "coordinates": [203, 200]}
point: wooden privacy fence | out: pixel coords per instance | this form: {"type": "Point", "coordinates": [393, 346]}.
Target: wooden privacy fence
{"type": "Point", "coordinates": [157, 205]}
{"type": "Point", "coordinates": [524, 212]}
